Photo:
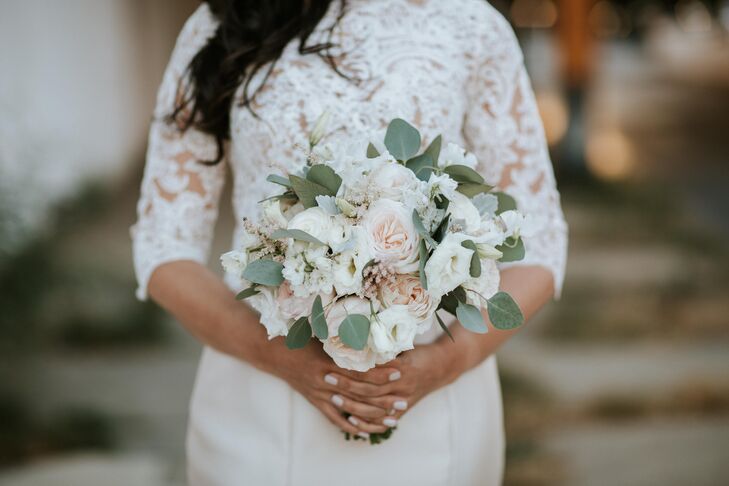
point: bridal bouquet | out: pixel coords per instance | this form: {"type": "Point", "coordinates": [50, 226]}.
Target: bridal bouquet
{"type": "Point", "coordinates": [362, 247]}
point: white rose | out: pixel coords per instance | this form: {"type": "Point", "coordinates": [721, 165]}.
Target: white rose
{"type": "Point", "coordinates": [314, 221]}
{"type": "Point", "coordinates": [393, 180]}
{"type": "Point", "coordinates": [461, 208]}
{"type": "Point", "coordinates": [487, 284]}
{"type": "Point", "coordinates": [392, 331]}
{"type": "Point", "coordinates": [391, 234]}
{"type": "Point", "coordinates": [344, 356]}
{"type": "Point", "coordinates": [272, 214]}
{"type": "Point", "coordinates": [449, 265]}
{"type": "Point", "coordinates": [405, 289]}
{"type": "Point", "coordinates": [348, 265]}
{"type": "Point", "coordinates": [452, 154]}
{"type": "Point", "coordinates": [265, 303]}
{"type": "Point", "coordinates": [291, 306]}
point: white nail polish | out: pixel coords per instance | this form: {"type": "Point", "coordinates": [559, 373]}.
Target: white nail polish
{"type": "Point", "coordinates": [338, 400]}
{"type": "Point", "coordinates": [390, 422]}
{"type": "Point", "coordinates": [364, 435]}
{"type": "Point", "coordinates": [331, 379]}
{"type": "Point", "coordinates": [353, 421]}
{"type": "Point", "coordinates": [395, 375]}
{"type": "Point", "coordinates": [400, 405]}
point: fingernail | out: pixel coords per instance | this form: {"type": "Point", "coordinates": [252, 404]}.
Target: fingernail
{"type": "Point", "coordinates": [339, 401]}
{"type": "Point", "coordinates": [399, 405]}
{"type": "Point", "coordinates": [395, 375]}
{"type": "Point", "coordinates": [364, 435]}
{"type": "Point", "coordinates": [353, 421]}
{"type": "Point", "coordinates": [331, 379]}
{"type": "Point", "coordinates": [390, 422]}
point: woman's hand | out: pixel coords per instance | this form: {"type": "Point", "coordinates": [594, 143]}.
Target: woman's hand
{"type": "Point", "coordinates": [311, 372]}
{"type": "Point", "coordinates": [411, 376]}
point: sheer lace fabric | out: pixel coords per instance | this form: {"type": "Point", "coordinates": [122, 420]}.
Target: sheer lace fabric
{"type": "Point", "coordinates": [449, 67]}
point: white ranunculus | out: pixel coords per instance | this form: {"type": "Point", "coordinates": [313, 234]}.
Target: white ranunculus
{"type": "Point", "coordinates": [392, 331]}
{"type": "Point", "coordinates": [348, 265]}
{"type": "Point", "coordinates": [272, 319]}
{"type": "Point", "coordinates": [405, 289]}
{"type": "Point", "coordinates": [392, 181]}
{"type": "Point", "coordinates": [314, 221]}
{"type": "Point", "coordinates": [234, 262]}
{"type": "Point", "coordinates": [461, 208]}
{"type": "Point", "coordinates": [344, 356]}
{"type": "Point", "coordinates": [391, 234]}
{"type": "Point", "coordinates": [453, 154]}
{"type": "Point", "coordinates": [449, 265]}
{"type": "Point", "coordinates": [272, 215]}
{"type": "Point", "coordinates": [487, 284]}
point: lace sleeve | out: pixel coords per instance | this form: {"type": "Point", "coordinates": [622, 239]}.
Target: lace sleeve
{"type": "Point", "coordinates": [504, 130]}
{"type": "Point", "coordinates": [178, 205]}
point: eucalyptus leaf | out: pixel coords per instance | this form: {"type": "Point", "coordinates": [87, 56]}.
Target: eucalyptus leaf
{"type": "Point", "coordinates": [307, 190]}
{"type": "Point", "coordinates": [506, 202]}
{"type": "Point", "coordinates": [278, 197]}
{"type": "Point", "coordinates": [449, 302]}
{"type": "Point", "coordinates": [434, 149]}
{"type": "Point", "coordinates": [296, 234]}
{"type": "Point", "coordinates": [299, 334]}
{"type": "Point", "coordinates": [442, 229]}
{"type": "Point", "coordinates": [472, 189]}
{"type": "Point", "coordinates": [422, 166]}
{"type": "Point", "coordinates": [463, 174]}
{"type": "Point", "coordinates": [328, 204]}
{"type": "Point", "coordinates": [442, 202]}
{"type": "Point", "coordinates": [372, 151]}
{"type": "Point", "coordinates": [402, 139]}
{"type": "Point", "coordinates": [280, 180]}
{"type": "Point", "coordinates": [504, 313]}
{"type": "Point", "coordinates": [471, 318]}
{"type": "Point", "coordinates": [318, 320]}
{"type": "Point", "coordinates": [487, 204]}
{"type": "Point", "coordinates": [475, 259]}
{"type": "Point", "coordinates": [326, 177]}
{"type": "Point", "coordinates": [444, 327]}
{"type": "Point", "coordinates": [354, 331]}
{"type": "Point", "coordinates": [249, 292]}
{"type": "Point", "coordinates": [264, 272]}
{"type": "Point", "coordinates": [420, 228]}
{"type": "Point", "coordinates": [512, 251]}
{"type": "Point", "coordinates": [423, 253]}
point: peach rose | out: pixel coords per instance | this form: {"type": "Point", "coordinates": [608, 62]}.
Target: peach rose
{"type": "Point", "coordinates": [405, 289]}
{"type": "Point", "coordinates": [391, 234]}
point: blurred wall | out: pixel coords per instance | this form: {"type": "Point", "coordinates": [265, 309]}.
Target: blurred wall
{"type": "Point", "coordinates": [77, 86]}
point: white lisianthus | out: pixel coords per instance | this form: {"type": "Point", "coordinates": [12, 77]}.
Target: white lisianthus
{"type": "Point", "coordinates": [406, 289]}
{"type": "Point", "coordinates": [393, 181]}
{"type": "Point", "coordinates": [487, 284]}
{"type": "Point", "coordinates": [391, 234]}
{"type": "Point", "coordinates": [272, 319]}
{"type": "Point", "coordinates": [392, 331]}
{"type": "Point", "coordinates": [490, 234]}
{"type": "Point", "coordinates": [348, 265]}
{"type": "Point", "coordinates": [234, 262]}
{"type": "Point", "coordinates": [344, 356]}
{"type": "Point", "coordinates": [461, 208]}
{"type": "Point", "coordinates": [453, 154]}
{"type": "Point", "coordinates": [516, 224]}
{"type": "Point", "coordinates": [449, 265]}
{"type": "Point", "coordinates": [272, 215]}
{"type": "Point", "coordinates": [314, 221]}
{"type": "Point", "coordinates": [441, 184]}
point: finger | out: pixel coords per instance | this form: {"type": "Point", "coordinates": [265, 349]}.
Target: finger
{"type": "Point", "coordinates": [393, 404]}
{"type": "Point", "coordinates": [341, 383]}
{"type": "Point", "coordinates": [335, 417]}
{"type": "Point", "coordinates": [359, 409]}
{"type": "Point", "coordinates": [365, 426]}
{"type": "Point", "coordinates": [375, 376]}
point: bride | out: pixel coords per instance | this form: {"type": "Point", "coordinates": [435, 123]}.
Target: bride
{"type": "Point", "coordinates": [246, 82]}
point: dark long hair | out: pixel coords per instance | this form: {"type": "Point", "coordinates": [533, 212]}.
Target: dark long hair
{"type": "Point", "coordinates": [251, 34]}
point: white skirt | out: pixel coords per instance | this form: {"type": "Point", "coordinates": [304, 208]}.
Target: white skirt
{"type": "Point", "coordinates": [250, 428]}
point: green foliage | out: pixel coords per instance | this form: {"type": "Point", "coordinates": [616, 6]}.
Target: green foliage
{"type": "Point", "coordinates": [324, 176]}
{"type": "Point", "coordinates": [372, 152]}
{"type": "Point", "coordinates": [249, 292]}
{"type": "Point", "coordinates": [506, 202]}
{"type": "Point", "coordinates": [280, 180]}
{"type": "Point", "coordinates": [264, 272]}
{"type": "Point", "coordinates": [299, 334]}
{"type": "Point", "coordinates": [475, 269]}
{"type": "Point", "coordinates": [472, 189]}
{"type": "Point", "coordinates": [423, 253]}
{"type": "Point", "coordinates": [471, 318]}
{"type": "Point", "coordinates": [420, 228]}
{"type": "Point", "coordinates": [422, 166]}
{"type": "Point", "coordinates": [307, 191]}
{"type": "Point", "coordinates": [402, 139]}
{"type": "Point", "coordinates": [354, 331]}
{"type": "Point", "coordinates": [512, 250]}
{"type": "Point", "coordinates": [318, 319]}
{"type": "Point", "coordinates": [449, 302]}
{"type": "Point", "coordinates": [504, 313]}
{"type": "Point", "coordinates": [297, 235]}
{"type": "Point", "coordinates": [444, 327]}
{"type": "Point", "coordinates": [434, 149]}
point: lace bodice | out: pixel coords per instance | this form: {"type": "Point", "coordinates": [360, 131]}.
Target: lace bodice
{"type": "Point", "coordinates": [450, 67]}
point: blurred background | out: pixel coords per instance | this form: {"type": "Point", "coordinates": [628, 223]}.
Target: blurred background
{"type": "Point", "coordinates": [624, 381]}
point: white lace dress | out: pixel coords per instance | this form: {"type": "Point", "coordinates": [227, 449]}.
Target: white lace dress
{"type": "Point", "coordinates": [450, 67]}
